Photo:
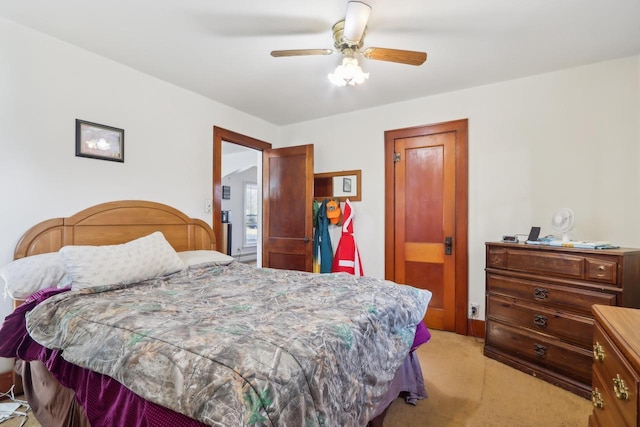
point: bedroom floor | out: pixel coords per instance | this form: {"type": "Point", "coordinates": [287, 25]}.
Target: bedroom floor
{"type": "Point", "coordinates": [467, 389]}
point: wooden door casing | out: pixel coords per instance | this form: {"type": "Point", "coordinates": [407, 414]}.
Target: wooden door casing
{"type": "Point", "coordinates": [220, 135]}
{"type": "Point", "coordinates": [421, 212]}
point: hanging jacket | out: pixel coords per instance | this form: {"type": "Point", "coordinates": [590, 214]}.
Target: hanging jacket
{"type": "Point", "coordinates": [347, 257]}
{"type": "Point", "coordinates": [322, 250]}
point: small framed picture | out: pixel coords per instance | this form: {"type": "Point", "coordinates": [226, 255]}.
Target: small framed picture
{"type": "Point", "coordinates": [226, 192]}
{"type": "Point", "coordinates": [99, 141]}
{"type": "Point", "coordinates": [346, 185]}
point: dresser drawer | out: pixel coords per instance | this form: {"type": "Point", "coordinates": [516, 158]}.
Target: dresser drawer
{"type": "Point", "coordinates": [576, 299]}
{"type": "Point", "coordinates": [564, 325]}
{"type": "Point", "coordinates": [497, 257]}
{"type": "Point", "coordinates": [546, 263]}
{"type": "Point", "coordinates": [569, 360]}
{"type": "Point", "coordinates": [618, 379]}
{"type": "Point", "coordinates": [556, 264]}
{"type": "Point", "coordinates": [603, 270]}
{"type": "Point", "coordinates": [605, 411]}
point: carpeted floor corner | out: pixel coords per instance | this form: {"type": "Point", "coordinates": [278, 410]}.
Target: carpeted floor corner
{"type": "Point", "coordinates": [467, 389]}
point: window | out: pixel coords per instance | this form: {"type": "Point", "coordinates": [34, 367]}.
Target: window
{"type": "Point", "coordinates": [250, 214]}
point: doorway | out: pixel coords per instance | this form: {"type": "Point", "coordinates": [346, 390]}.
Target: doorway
{"type": "Point", "coordinates": [285, 197]}
{"type": "Point", "coordinates": [241, 213]}
{"type": "Point", "coordinates": [227, 143]}
{"type": "Point", "coordinates": [426, 217]}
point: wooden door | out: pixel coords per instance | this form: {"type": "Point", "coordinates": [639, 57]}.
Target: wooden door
{"type": "Point", "coordinates": [287, 193]}
{"type": "Point", "coordinates": [426, 217]}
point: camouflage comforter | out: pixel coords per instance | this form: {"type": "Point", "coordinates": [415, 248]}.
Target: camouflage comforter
{"type": "Point", "coordinates": [236, 345]}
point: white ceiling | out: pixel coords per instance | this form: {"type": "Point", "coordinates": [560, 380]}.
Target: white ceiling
{"type": "Point", "coordinates": [221, 49]}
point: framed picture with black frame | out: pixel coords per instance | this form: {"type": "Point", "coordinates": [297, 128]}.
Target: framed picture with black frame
{"type": "Point", "coordinates": [98, 141]}
{"type": "Point", "coordinates": [226, 192]}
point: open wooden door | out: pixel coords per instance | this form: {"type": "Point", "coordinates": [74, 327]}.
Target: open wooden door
{"type": "Point", "coordinates": [287, 197]}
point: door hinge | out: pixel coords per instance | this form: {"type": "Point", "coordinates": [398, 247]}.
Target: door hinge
{"type": "Point", "coordinates": [396, 157]}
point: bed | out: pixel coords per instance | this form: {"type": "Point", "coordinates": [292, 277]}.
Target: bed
{"type": "Point", "coordinates": [204, 340]}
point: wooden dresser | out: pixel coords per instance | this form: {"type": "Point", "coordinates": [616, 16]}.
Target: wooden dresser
{"type": "Point", "coordinates": [538, 306]}
{"type": "Point", "coordinates": [616, 367]}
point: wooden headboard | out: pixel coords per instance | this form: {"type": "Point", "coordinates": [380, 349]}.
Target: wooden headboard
{"type": "Point", "coordinates": [118, 222]}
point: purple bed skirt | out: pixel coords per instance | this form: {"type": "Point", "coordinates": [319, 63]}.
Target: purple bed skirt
{"type": "Point", "coordinates": [106, 402]}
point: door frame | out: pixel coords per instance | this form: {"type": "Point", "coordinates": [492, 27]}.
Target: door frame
{"type": "Point", "coordinates": [220, 135]}
{"type": "Point", "coordinates": [461, 210]}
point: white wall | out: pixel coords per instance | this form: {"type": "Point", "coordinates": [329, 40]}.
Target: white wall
{"type": "Point", "coordinates": [564, 139]}
{"type": "Point", "coordinates": [46, 84]}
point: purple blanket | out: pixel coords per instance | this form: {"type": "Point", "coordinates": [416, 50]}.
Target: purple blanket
{"type": "Point", "coordinates": [108, 403]}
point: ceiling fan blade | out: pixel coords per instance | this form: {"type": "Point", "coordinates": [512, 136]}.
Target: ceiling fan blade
{"type": "Point", "coordinates": [355, 21]}
{"type": "Point", "coordinates": [395, 55]}
{"type": "Point", "coordinates": [301, 52]}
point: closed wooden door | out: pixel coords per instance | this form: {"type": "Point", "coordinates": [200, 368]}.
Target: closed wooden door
{"type": "Point", "coordinates": [287, 192]}
{"type": "Point", "coordinates": [427, 217]}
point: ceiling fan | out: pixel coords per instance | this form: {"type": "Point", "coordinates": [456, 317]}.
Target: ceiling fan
{"type": "Point", "coordinates": [348, 38]}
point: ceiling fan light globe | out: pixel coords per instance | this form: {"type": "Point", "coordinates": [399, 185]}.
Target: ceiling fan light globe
{"type": "Point", "coordinates": [337, 80]}
{"type": "Point", "coordinates": [349, 72]}
{"type": "Point", "coordinates": [359, 78]}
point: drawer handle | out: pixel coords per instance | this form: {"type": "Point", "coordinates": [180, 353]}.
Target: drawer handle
{"type": "Point", "coordinates": [598, 352]}
{"type": "Point", "coordinates": [601, 268]}
{"type": "Point", "coordinates": [540, 320]}
{"type": "Point", "coordinates": [596, 398]}
{"type": "Point", "coordinates": [540, 293]}
{"type": "Point", "coordinates": [540, 350]}
{"type": "Point", "coordinates": [620, 388]}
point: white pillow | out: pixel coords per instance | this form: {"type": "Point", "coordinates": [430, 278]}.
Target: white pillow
{"type": "Point", "coordinates": [203, 256]}
{"type": "Point", "coordinates": [134, 261]}
{"type": "Point", "coordinates": [25, 276]}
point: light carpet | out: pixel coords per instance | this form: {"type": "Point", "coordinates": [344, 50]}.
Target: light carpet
{"type": "Point", "coordinates": [467, 389]}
